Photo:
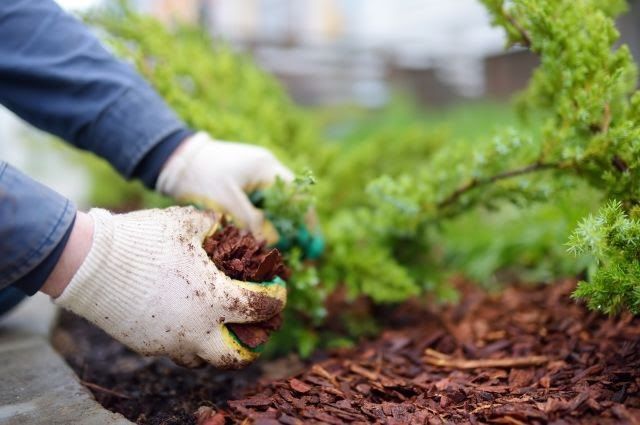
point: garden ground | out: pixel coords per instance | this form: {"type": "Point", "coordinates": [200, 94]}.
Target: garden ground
{"type": "Point", "coordinates": [527, 355]}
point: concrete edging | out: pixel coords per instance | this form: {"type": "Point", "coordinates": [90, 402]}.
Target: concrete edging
{"type": "Point", "coordinates": [38, 387]}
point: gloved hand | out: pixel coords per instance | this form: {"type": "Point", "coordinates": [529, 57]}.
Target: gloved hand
{"type": "Point", "coordinates": [218, 175]}
{"type": "Point", "coordinates": [148, 283]}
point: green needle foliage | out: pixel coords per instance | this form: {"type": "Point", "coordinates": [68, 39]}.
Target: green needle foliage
{"type": "Point", "coordinates": [400, 206]}
{"type": "Point", "coordinates": [583, 94]}
{"type": "Point", "coordinates": [613, 238]}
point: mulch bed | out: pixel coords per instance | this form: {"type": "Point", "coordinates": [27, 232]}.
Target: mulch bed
{"type": "Point", "coordinates": [146, 390]}
{"type": "Point", "coordinates": [527, 355]}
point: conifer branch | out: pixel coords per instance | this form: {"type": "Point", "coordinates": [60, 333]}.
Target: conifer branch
{"type": "Point", "coordinates": [606, 120]}
{"type": "Point", "coordinates": [526, 38]}
{"type": "Point", "coordinates": [475, 183]}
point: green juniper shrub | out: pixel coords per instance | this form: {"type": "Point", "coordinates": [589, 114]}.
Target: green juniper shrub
{"type": "Point", "coordinates": [404, 202]}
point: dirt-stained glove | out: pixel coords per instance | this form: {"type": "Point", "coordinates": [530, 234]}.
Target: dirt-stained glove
{"type": "Point", "coordinates": [148, 282]}
{"type": "Point", "coordinates": [218, 175]}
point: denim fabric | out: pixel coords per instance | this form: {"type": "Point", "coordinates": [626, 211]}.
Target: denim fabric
{"type": "Point", "coordinates": [149, 168]}
{"type": "Point", "coordinates": [55, 74]}
{"type": "Point", "coordinates": [9, 298]}
{"type": "Point", "coordinates": [31, 282]}
{"type": "Point", "coordinates": [33, 220]}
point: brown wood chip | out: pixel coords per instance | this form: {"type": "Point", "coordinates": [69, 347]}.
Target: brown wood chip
{"type": "Point", "coordinates": [299, 386]}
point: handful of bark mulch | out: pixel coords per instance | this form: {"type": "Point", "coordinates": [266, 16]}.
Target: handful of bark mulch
{"type": "Point", "coordinates": [240, 256]}
{"type": "Point", "coordinates": [527, 356]}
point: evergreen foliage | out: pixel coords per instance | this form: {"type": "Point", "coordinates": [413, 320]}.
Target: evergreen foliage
{"type": "Point", "coordinates": [392, 203]}
{"type": "Point", "coordinates": [613, 238]}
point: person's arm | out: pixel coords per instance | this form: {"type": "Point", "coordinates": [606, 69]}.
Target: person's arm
{"type": "Point", "coordinates": [143, 277]}
{"type": "Point", "coordinates": [35, 223]}
{"type": "Point", "coordinates": [55, 74]}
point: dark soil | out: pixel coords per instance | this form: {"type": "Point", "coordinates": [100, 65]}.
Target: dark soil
{"type": "Point", "coordinates": [145, 390]}
{"type": "Point", "coordinates": [240, 256]}
{"type": "Point", "coordinates": [528, 355]}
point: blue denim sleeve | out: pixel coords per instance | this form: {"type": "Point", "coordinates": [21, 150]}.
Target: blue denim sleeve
{"type": "Point", "coordinates": [55, 74]}
{"type": "Point", "coordinates": [33, 221]}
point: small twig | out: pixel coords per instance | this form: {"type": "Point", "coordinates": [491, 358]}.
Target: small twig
{"type": "Point", "coordinates": [97, 387]}
{"type": "Point", "coordinates": [484, 406]}
{"type": "Point", "coordinates": [372, 376]}
{"type": "Point", "coordinates": [378, 363]}
{"type": "Point", "coordinates": [319, 370]}
{"type": "Point", "coordinates": [606, 119]}
{"type": "Point", "coordinates": [474, 183]}
{"type": "Point", "coordinates": [511, 420]}
{"type": "Point", "coordinates": [437, 354]}
{"type": "Point", "coordinates": [333, 390]}
{"type": "Point", "coordinates": [443, 360]}
{"type": "Point", "coordinates": [526, 38]}
{"type": "Point", "coordinates": [619, 163]}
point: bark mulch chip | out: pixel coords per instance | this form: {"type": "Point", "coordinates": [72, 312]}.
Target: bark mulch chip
{"type": "Point", "coordinates": [530, 355]}
{"type": "Point", "coordinates": [240, 256]}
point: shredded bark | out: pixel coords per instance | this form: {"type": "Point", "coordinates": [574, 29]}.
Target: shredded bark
{"type": "Point", "coordinates": [538, 357]}
{"type": "Point", "coordinates": [527, 356]}
{"type": "Point", "coordinates": [256, 334]}
{"type": "Point", "coordinates": [240, 256]}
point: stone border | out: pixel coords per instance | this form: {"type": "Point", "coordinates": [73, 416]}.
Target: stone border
{"type": "Point", "coordinates": [38, 387]}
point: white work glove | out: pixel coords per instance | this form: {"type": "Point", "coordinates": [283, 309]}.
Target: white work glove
{"type": "Point", "coordinates": [218, 175]}
{"type": "Point", "coordinates": [148, 282]}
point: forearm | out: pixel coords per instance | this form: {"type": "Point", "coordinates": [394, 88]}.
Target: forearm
{"type": "Point", "coordinates": [73, 254]}
{"type": "Point", "coordinates": [56, 75]}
